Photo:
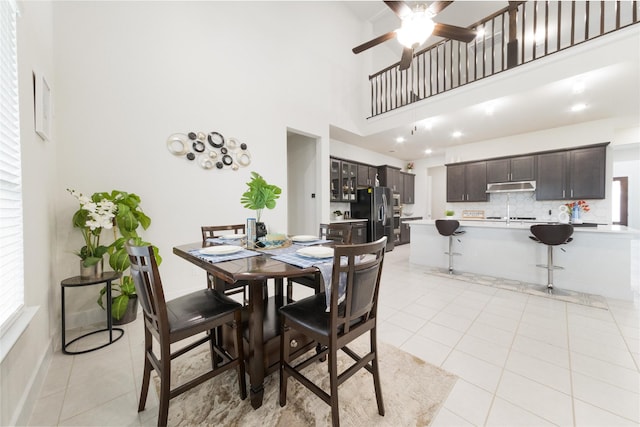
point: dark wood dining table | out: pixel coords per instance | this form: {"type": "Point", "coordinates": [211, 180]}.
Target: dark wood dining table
{"type": "Point", "coordinates": [261, 317]}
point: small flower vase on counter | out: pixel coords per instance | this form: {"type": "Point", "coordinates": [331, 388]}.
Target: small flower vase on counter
{"type": "Point", "coordinates": [92, 272]}
{"type": "Point", "coordinates": [575, 215]}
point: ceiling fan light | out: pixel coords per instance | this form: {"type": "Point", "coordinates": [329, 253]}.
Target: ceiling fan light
{"type": "Point", "coordinates": [415, 28]}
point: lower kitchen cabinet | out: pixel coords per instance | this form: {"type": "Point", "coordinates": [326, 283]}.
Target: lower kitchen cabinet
{"type": "Point", "coordinates": [405, 230]}
{"type": "Point", "coordinates": [359, 232]}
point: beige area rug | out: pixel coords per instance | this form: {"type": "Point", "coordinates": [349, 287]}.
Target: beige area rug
{"type": "Point", "coordinates": [413, 391]}
{"type": "Point", "coordinates": [565, 295]}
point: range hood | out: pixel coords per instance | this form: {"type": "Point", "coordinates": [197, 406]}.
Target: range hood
{"type": "Point", "coordinates": [511, 187]}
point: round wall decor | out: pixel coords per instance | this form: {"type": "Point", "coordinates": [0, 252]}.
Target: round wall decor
{"type": "Point", "coordinates": [219, 153]}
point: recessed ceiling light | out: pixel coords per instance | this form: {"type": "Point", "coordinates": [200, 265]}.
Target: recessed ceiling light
{"type": "Point", "coordinates": [578, 107]}
{"type": "Point", "coordinates": [399, 139]}
{"type": "Point", "coordinates": [428, 151]}
{"type": "Point", "coordinates": [456, 134]}
{"type": "Point", "coordinates": [480, 32]}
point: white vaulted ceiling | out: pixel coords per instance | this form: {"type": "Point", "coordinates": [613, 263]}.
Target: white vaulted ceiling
{"type": "Point", "coordinates": [532, 97]}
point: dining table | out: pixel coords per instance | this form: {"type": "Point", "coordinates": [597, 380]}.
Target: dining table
{"type": "Point", "coordinates": [261, 318]}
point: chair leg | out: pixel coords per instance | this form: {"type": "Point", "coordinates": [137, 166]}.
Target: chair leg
{"type": "Point", "coordinates": [333, 385]}
{"type": "Point", "coordinates": [165, 384]}
{"type": "Point", "coordinates": [284, 360]}
{"type": "Point", "coordinates": [242, 382]}
{"type": "Point", "coordinates": [148, 345]}
{"type": "Point", "coordinates": [289, 290]}
{"type": "Point", "coordinates": [450, 254]}
{"type": "Point", "coordinates": [376, 372]}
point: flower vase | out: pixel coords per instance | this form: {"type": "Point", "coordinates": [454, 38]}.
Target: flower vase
{"type": "Point", "coordinates": [575, 216]}
{"type": "Point", "coordinates": [91, 272]}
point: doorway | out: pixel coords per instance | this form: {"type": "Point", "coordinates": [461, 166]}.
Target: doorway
{"type": "Point", "coordinates": [302, 184]}
{"type": "Point", "coordinates": [620, 201]}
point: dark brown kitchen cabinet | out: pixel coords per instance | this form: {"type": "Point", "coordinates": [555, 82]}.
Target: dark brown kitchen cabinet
{"type": "Point", "coordinates": [359, 232]}
{"type": "Point", "coordinates": [343, 175]}
{"type": "Point", "coordinates": [467, 182]}
{"type": "Point", "coordinates": [572, 174]}
{"type": "Point", "coordinates": [366, 175]}
{"type": "Point", "coordinates": [407, 184]}
{"type": "Point", "coordinates": [405, 230]}
{"type": "Point", "coordinates": [335, 186]}
{"type": "Point", "coordinates": [522, 168]}
{"type": "Point", "coordinates": [389, 176]}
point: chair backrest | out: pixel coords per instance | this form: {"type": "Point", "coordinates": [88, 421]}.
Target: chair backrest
{"type": "Point", "coordinates": [447, 227]}
{"type": "Point", "coordinates": [359, 267]}
{"type": "Point", "coordinates": [552, 234]}
{"type": "Point", "coordinates": [339, 232]}
{"type": "Point", "coordinates": [146, 279]}
{"type": "Point", "coordinates": [214, 230]}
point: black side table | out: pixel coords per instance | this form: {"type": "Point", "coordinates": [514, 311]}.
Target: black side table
{"type": "Point", "coordinates": [76, 281]}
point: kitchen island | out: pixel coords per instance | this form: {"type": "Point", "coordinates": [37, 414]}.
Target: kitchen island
{"type": "Point", "coordinates": [602, 260]}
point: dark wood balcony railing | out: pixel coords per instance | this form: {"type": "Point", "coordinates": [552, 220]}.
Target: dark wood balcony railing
{"type": "Point", "coordinates": [518, 34]}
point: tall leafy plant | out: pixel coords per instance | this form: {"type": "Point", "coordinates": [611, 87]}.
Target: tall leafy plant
{"type": "Point", "coordinates": [260, 195]}
{"type": "Point", "coordinates": [128, 219]}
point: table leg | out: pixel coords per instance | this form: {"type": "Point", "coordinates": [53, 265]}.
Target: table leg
{"type": "Point", "coordinates": [256, 342]}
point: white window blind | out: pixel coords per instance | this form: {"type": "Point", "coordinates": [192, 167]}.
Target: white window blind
{"type": "Point", "coordinates": [11, 246]}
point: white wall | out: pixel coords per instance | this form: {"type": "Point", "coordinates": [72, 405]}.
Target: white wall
{"type": "Point", "coordinates": [124, 77]}
{"type": "Point", "coordinates": [24, 367]}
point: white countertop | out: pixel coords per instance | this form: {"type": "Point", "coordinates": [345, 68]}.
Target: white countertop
{"type": "Point", "coordinates": [526, 224]}
{"type": "Point", "coordinates": [333, 221]}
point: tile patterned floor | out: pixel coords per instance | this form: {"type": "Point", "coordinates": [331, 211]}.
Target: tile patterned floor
{"type": "Point", "coordinates": [521, 359]}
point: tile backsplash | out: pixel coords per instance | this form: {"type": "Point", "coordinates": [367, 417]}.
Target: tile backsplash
{"type": "Point", "coordinates": [526, 205]}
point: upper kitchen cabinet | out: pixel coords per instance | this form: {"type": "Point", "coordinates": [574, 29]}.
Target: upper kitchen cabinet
{"type": "Point", "coordinates": [343, 176]}
{"type": "Point", "coordinates": [467, 182]}
{"type": "Point", "coordinates": [573, 174]}
{"type": "Point", "coordinates": [407, 184]}
{"type": "Point", "coordinates": [521, 168]}
{"type": "Point", "coordinates": [389, 176]}
{"type": "Point", "coordinates": [367, 175]}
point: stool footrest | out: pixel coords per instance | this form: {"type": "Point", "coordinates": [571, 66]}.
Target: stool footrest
{"type": "Point", "coordinates": [553, 267]}
{"type": "Point", "coordinates": [454, 253]}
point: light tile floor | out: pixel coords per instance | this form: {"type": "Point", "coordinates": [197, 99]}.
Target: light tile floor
{"type": "Point", "coordinates": [522, 360]}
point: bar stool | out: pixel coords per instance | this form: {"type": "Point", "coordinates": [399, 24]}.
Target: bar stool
{"type": "Point", "coordinates": [449, 228]}
{"type": "Point", "coordinates": [551, 235]}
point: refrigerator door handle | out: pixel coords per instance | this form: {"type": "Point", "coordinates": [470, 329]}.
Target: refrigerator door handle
{"type": "Point", "coordinates": [383, 213]}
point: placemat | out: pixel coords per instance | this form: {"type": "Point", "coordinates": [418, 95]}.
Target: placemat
{"type": "Point", "coordinates": [245, 253]}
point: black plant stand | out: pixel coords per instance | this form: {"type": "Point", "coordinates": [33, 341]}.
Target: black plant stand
{"type": "Point", "coordinates": [78, 281]}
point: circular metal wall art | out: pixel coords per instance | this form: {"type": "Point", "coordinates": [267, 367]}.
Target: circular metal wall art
{"type": "Point", "coordinates": [220, 153]}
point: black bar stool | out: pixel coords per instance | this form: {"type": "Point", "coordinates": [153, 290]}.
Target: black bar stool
{"type": "Point", "coordinates": [449, 228]}
{"type": "Point", "coordinates": [551, 235]}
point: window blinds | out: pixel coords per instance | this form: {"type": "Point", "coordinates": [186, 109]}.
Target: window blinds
{"type": "Point", "coordinates": [11, 246]}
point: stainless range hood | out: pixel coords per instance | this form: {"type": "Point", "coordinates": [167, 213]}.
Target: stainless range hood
{"type": "Point", "coordinates": [511, 187]}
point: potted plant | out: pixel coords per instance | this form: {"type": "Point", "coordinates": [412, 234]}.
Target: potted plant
{"type": "Point", "coordinates": [260, 195]}
{"type": "Point", "coordinates": [94, 215]}
{"type": "Point", "coordinates": [338, 215]}
{"type": "Point", "coordinates": [449, 213]}
{"type": "Point", "coordinates": [125, 218]}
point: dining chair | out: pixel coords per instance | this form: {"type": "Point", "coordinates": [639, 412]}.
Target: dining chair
{"type": "Point", "coordinates": [339, 233]}
{"type": "Point", "coordinates": [357, 268]}
{"type": "Point", "coordinates": [213, 231]}
{"type": "Point", "coordinates": [204, 311]}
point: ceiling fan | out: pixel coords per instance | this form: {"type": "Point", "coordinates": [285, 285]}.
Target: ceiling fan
{"type": "Point", "coordinates": [417, 25]}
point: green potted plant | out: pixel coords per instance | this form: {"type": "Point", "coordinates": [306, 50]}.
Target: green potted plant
{"type": "Point", "coordinates": [449, 213]}
{"type": "Point", "coordinates": [338, 215]}
{"type": "Point", "coordinates": [260, 195]}
{"type": "Point", "coordinates": [95, 214]}
{"type": "Point", "coordinates": [121, 212]}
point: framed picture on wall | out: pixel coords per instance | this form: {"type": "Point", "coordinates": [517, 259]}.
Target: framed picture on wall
{"type": "Point", "coordinates": [42, 106]}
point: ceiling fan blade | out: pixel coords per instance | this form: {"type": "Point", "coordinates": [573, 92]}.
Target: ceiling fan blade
{"type": "Point", "coordinates": [374, 42]}
{"type": "Point", "coordinates": [400, 8]}
{"type": "Point", "coordinates": [452, 32]}
{"type": "Point", "coordinates": [407, 57]}
{"type": "Point", "coordinates": [438, 6]}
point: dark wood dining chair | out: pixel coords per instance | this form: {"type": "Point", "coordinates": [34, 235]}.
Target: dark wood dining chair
{"type": "Point", "coordinates": [338, 233]}
{"type": "Point", "coordinates": [213, 231]}
{"type": "Point", "coordinates": [334, 330]}
{"type": "Point", "coordinates": [205, 311]}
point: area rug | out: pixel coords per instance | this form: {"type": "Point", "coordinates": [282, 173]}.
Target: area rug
{"type": "Point", "coordinates": [565, 295]}
{"type": "Point", "coordinates": [413, 391]}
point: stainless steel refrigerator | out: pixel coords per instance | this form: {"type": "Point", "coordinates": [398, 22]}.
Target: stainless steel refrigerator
{"type": "Point", "coordinates": [374, 204]}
